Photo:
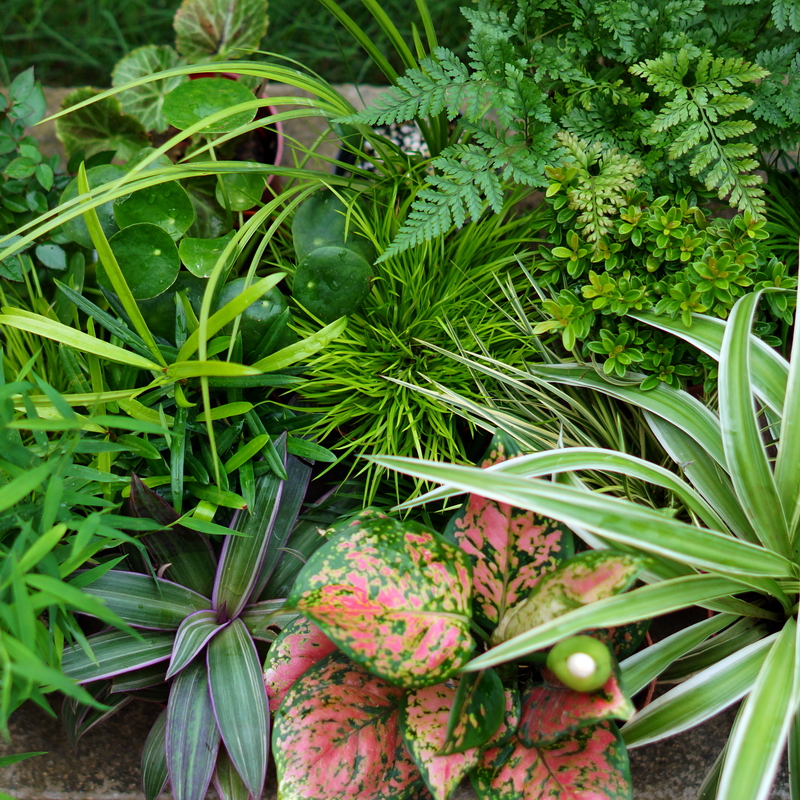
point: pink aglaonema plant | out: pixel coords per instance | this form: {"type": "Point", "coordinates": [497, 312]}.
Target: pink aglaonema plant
{"type": "Point", "coordinates": [196, 641]}
{"type": "Point", "coordinates": [379, 696]}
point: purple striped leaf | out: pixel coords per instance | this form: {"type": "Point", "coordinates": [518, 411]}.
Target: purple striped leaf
{"type": "Point", "coordinates": [154, 759]}
{"type": "Point", "coordinates": [298, 646]}
{"type": "Point", "coordinates": [240, 702]}
{"type": "Point", "coordinates": [146, 602]}
{"type": "Point", "coordinates": [227, 781]}
{"type": "Point", "coordinates": [336, 735]}
{"type": "Point", "coordinates": [477, 711]}
{"type": "Point", "coordinates": [552, 711]}
{"type": "Point", "coordinates": [192, 734]}
{"type": "Point", "coordinates": [194, 633]}
{"type": "Point", "coordinates": [395, 597]}
{"type": "Point", "coordinates": [592, 764]}
{"type": "Point", "coordinates": [424, 714]}
{"type": "Point", "coordinates": [582, 579]}
{"type": "Point", "coordinates": [79, 718]}
{"type": "Point", "coordinates": [116, 652]}
{"type": "Point", "coordinates": [242, 556]}
{"type": "Point", "coordinates": [265, 619]}
{"type": "Point", "coordinates": [510, 548]}
{"type": "Point", "coordinates": [144, 678]}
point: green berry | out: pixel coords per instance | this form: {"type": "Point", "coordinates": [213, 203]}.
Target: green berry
{"type": "Point", "coordinates": [581, 663]}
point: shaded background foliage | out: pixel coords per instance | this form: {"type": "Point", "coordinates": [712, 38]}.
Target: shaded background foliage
{"type": "Point", "coordinates": [78, 43]}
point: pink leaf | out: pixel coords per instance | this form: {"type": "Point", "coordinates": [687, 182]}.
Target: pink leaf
{"type": "Point", "coordinates": [582, 579]}
{"type": "Point", "coordinates": [592, 764]}
{"type": "Point", "coordinates": [395, 597]}
{"type": "Point", "coordinates": [423, 721]}
{"type": "Point", "coordinates": [510, 548]}
{"type": "Point", "coordinates": [336, 735]}
{"type": "Point", "coordinates": [551, 711]}
{"type": "Point", "coordinates": [298, 646]}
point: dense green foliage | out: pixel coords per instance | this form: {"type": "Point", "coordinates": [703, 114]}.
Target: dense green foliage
{"type": "Point", "coordinates": [693, 90]}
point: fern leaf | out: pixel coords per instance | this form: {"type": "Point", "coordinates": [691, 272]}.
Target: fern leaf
{"type": "Point", "coordinates": [786, 13]}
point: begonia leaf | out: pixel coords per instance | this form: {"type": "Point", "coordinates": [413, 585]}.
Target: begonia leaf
{"type": "Point", "coordinates": [580, 580]}
{"type": "Point", "coordinates": [424, 714]}
{"type": "Point", "coordinates": [336, 735]}
{"type": "Point", "coordinates": [219, 30]}
{"type": "Point", "coordinates": [395, 597]}
{"type": "Point", "coordinates": [300, 645]}
{"type": "Point", "coordinates": [592, 764]}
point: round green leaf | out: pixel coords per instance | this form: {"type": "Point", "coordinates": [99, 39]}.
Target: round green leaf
{"type": "Point", "coordinates": [147, 257]}
{"type": "Point", "coordinates": [146, 102]}
{"type": "Point", "coordinates": [166, 205]}
{"type": "Point", "coordinates": [193, 101]}
{"type": "Point", "coordinates": [240, 191]}
{"type": "Point", "coordinates": [51, 255]}
{"type": "Point", "coordinates": [76, 228]}
{"type": "Point", "coordinates": [200, 256]}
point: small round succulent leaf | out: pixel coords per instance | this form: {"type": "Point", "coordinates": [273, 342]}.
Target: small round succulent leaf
{"type": "Point", "coordinates": [166, 205]}
{"type": "Point", "coordinates": [193, 101]}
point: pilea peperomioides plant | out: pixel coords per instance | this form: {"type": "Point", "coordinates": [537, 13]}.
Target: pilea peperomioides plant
{"type": "Point", "coordinates": [369, 695]}
{"type": "Point", "coordinates": [199, 634]}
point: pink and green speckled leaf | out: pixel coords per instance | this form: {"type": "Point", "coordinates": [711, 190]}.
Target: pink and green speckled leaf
{"type": "Point", "coordinates": [622, 640]}
{"type": "Point", "coordinates": [592, 764]}
{"type": "Point", "coordinates": [424, 714]}
{"type": "Point", "coordinates": [476, 713]}
{"type": "Point", "coordinates": [336, 734]}
{"type": "Point", "coordinates": [394, 597]}
{"type": "Point", "coordinates": [552, 711]}
{"type": "Point", "coordinates": [582, 579]}
{"type": "Point", "coordinates": [510, 548]}
{"type": "Point", "coordinates": [298, 646]}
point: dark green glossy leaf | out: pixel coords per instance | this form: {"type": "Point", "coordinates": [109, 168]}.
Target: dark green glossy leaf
{"type": "Point", "coordinates": [148, 258]}
{"type": "Point", "coordinates": [240, 191]}
{"type": "Point", "coordinates": [154, 759]}
{"type": "Point", "coordinates": [193, 101]}
{"type": "Point", "coordinates": [145, 601]}
{"type": "Point", "coordinates": [116, 652]}
{"type": "Point", "coordinates": [200, 256]}
{"type": "Point", "coordinates": [192, 734]}
{"type": "Point", "coordinates": [166, 205]}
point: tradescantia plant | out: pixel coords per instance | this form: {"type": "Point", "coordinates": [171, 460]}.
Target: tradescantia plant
{"type": "Point", "coordinates": [368, 689]}
{"type": "Point", "coordinates": [196, 629]}
{"type": "Point", "coordinates": [735, 554]}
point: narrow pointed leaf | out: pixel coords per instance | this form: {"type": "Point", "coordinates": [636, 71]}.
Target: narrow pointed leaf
{"type": "Point", "coordinates": [300, 645]}
{"type": "Point", "coordinates": [424, 714]}
{"type": "Point", "coordinates": [477, 712]}
{"type": "Point", "coordinates": [154, 759]}
{"type": "Point", "coordinates": [336, 735]}
{"type": "Point", "coordinates": [116, 652]}
{"type": "Point", "coordinates": [240, 702]}
{"type": "Point", "coordinates": [551, 712]}
{"type": "Point", "coordinates": [145, 601]}
{"type": "Point", "coordinates": [647, 664]}
{"type": "Point", "coordinates": [264, 619]}
{"type": "Point", "coordinates": [642, 603]}
{"type": "Point", "coordinates": [192, 636]}
{"type": "Point", "coordinates": [189, 555]}
{"type": "Point", "coordinates": [592, 763]}
{"type": "Point", "coordinates": [614, 519]}
{"type": "Point", "coordinates": [512, 710]}
{"type": "Point", "coordinates": [582, 579]}
{"type": "Point", "coordinates": [759, 736]}
{"type": "Point", "coordinates": [227, 781]}
{"type": "Point", "coordinates": [79, 719]}
{"type": "Point", "coordinates": [242, 556]}
{"type": "Point", "coordinates": [395, 597]}
{"type": "Point", "coordinates": [769, 369]}
{"type": "Point", "coordinates": [745, 451]}
{"type": "Point", "coordinates": [144, 678]}
{"type": "Point", "coordinates": [699, 698]}
{"type": "Point", "coordinates": [192, 734]}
